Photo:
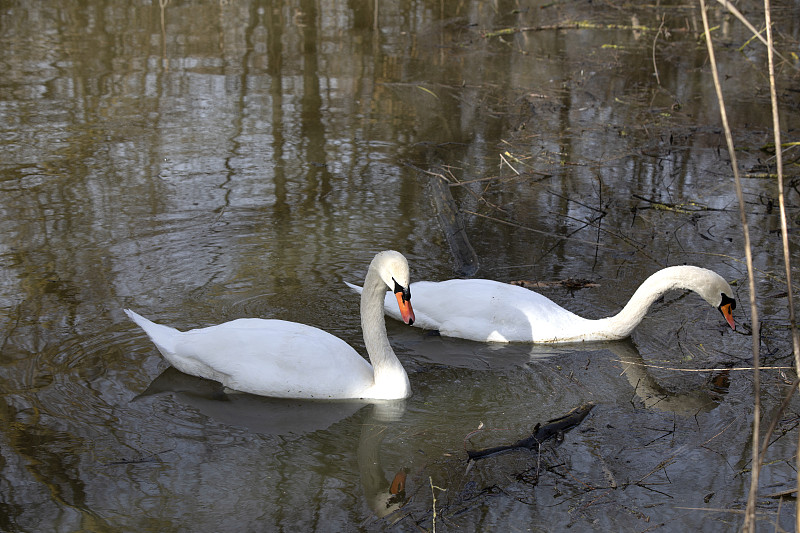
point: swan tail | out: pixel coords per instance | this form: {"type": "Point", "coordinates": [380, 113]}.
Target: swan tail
{"type": "Point", "coordinates": [164, 337]}
{"type": "Point", "coordinates": [356, 288]}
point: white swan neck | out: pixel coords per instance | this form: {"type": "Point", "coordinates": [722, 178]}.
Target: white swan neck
{"type": "Point", "coordinates": [678, 277]}
{"type": "Point", "coordinates": [391, 380]}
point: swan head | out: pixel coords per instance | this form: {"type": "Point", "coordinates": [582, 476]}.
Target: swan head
{"type": "Point", "coordinates": [726, 307]}
{"type": "Point", "coordinates": [392, 267]}
{"type": "Point", "coordinates": [715, 290]}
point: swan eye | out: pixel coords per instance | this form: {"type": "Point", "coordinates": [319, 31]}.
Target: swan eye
{"type": "Point", "coordinates": [728, 300]}
{"type": "Point", "coordinates": [406, 292]}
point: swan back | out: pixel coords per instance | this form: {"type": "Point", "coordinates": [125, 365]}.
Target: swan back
{"type": "Point", "coordinates": [263, 356]}
{"type": "Point", "coordinates": [487, 310]}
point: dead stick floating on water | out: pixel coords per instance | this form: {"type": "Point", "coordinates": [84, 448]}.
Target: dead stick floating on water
{"type": "Point", "coordinates": [540, 433]}
{"type": "Point", "coordinates": [464, 256]}
{"type": "Point", "coordinates": [587, 25]}
{"type": "Point", "coordinates": [576, 25]}
{"type": "Point", "coordinates": [689, 207]}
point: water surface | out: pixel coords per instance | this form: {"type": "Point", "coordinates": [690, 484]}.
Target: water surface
{"type": "Point", "coordinates": [200, 162]}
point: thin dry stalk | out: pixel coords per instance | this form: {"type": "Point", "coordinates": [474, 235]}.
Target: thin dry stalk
{"type": "Point", "coordinates": [749, 522]}
{"type": "Point", "coordinates": [738, 14]}
{"type": "Point", "coordinates": [677, 369]}
{"type": "Point", "coordinates": [533, 230]}
{"type": "Point", "coordinates": [774, 423]}
{"type": "Point", "coordinates": [655, 39]}
{"type": "Point", "coordinates": [776, 127]}
{"type": "Point", "coordinates": [433, 495]}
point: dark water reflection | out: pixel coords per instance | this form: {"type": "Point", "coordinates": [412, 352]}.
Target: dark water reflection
{"type": "Point", "coordinates": [207, 161]}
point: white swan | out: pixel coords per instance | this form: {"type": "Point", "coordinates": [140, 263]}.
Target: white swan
{"type": "Point", "coordinates": [290, 360]}
{"type": "Point", "coordinates": [485, 310]}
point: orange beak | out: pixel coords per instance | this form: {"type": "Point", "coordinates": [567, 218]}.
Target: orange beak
{"type": "Point", "coordinates": [398, 483]}
{"type": "Point", "coordinates": [405, 308]}
{"type": "Point", "coordinates": [726, 312]}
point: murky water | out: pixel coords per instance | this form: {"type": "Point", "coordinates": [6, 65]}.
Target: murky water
{"type": "Point", "coordinates": [200, 162]}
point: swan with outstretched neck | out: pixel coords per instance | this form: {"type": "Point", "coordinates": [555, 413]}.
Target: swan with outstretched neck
{"type": "Point", "coordinates": [486, 310]}
{"type": "Point", "coordinates": [290, 360]}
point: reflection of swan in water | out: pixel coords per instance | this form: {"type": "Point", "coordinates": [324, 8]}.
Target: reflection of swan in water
{"type": "Point", "coordinates": [258, 414]}
{"type": "Point", "coordinates": [651, 393]}
{"type": "Point", "coordinates": [510, 357]}
{"type": "Point", "coordinates": [275, 416]}
{"type": "Point", "coordinates": [383, 497]}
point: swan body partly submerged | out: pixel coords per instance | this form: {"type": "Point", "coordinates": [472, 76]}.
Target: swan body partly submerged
{"type": "Point", "coordinates": [486, 310]}
{"type": "Point", "coordinates": [290, 360]}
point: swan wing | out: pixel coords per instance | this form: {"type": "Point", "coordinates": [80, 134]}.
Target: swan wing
{"type": "Point", "coordinates": [272, 358]}
{"type": "Point", "coordinates": [487, 310]}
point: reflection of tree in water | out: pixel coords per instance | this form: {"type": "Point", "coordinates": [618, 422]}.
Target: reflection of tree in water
{"type": "Point", "coordinates": [49, 461]}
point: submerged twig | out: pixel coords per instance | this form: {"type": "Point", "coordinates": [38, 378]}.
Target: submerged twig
{"type": "Point", "coordinates": [571, 284]}
{"type": "Point", "coordinates": [533, 230]}
{"type": "Point", "coordinates": [774, 423]}
{"type": "Point", "coordinates": [689, 207]}
{"type": "Point", "coordinates": [149, 458]}
{"type": "Point", "coordinates": [663, 464]}
{"type": "Point", "coordinates": [540, 433]}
